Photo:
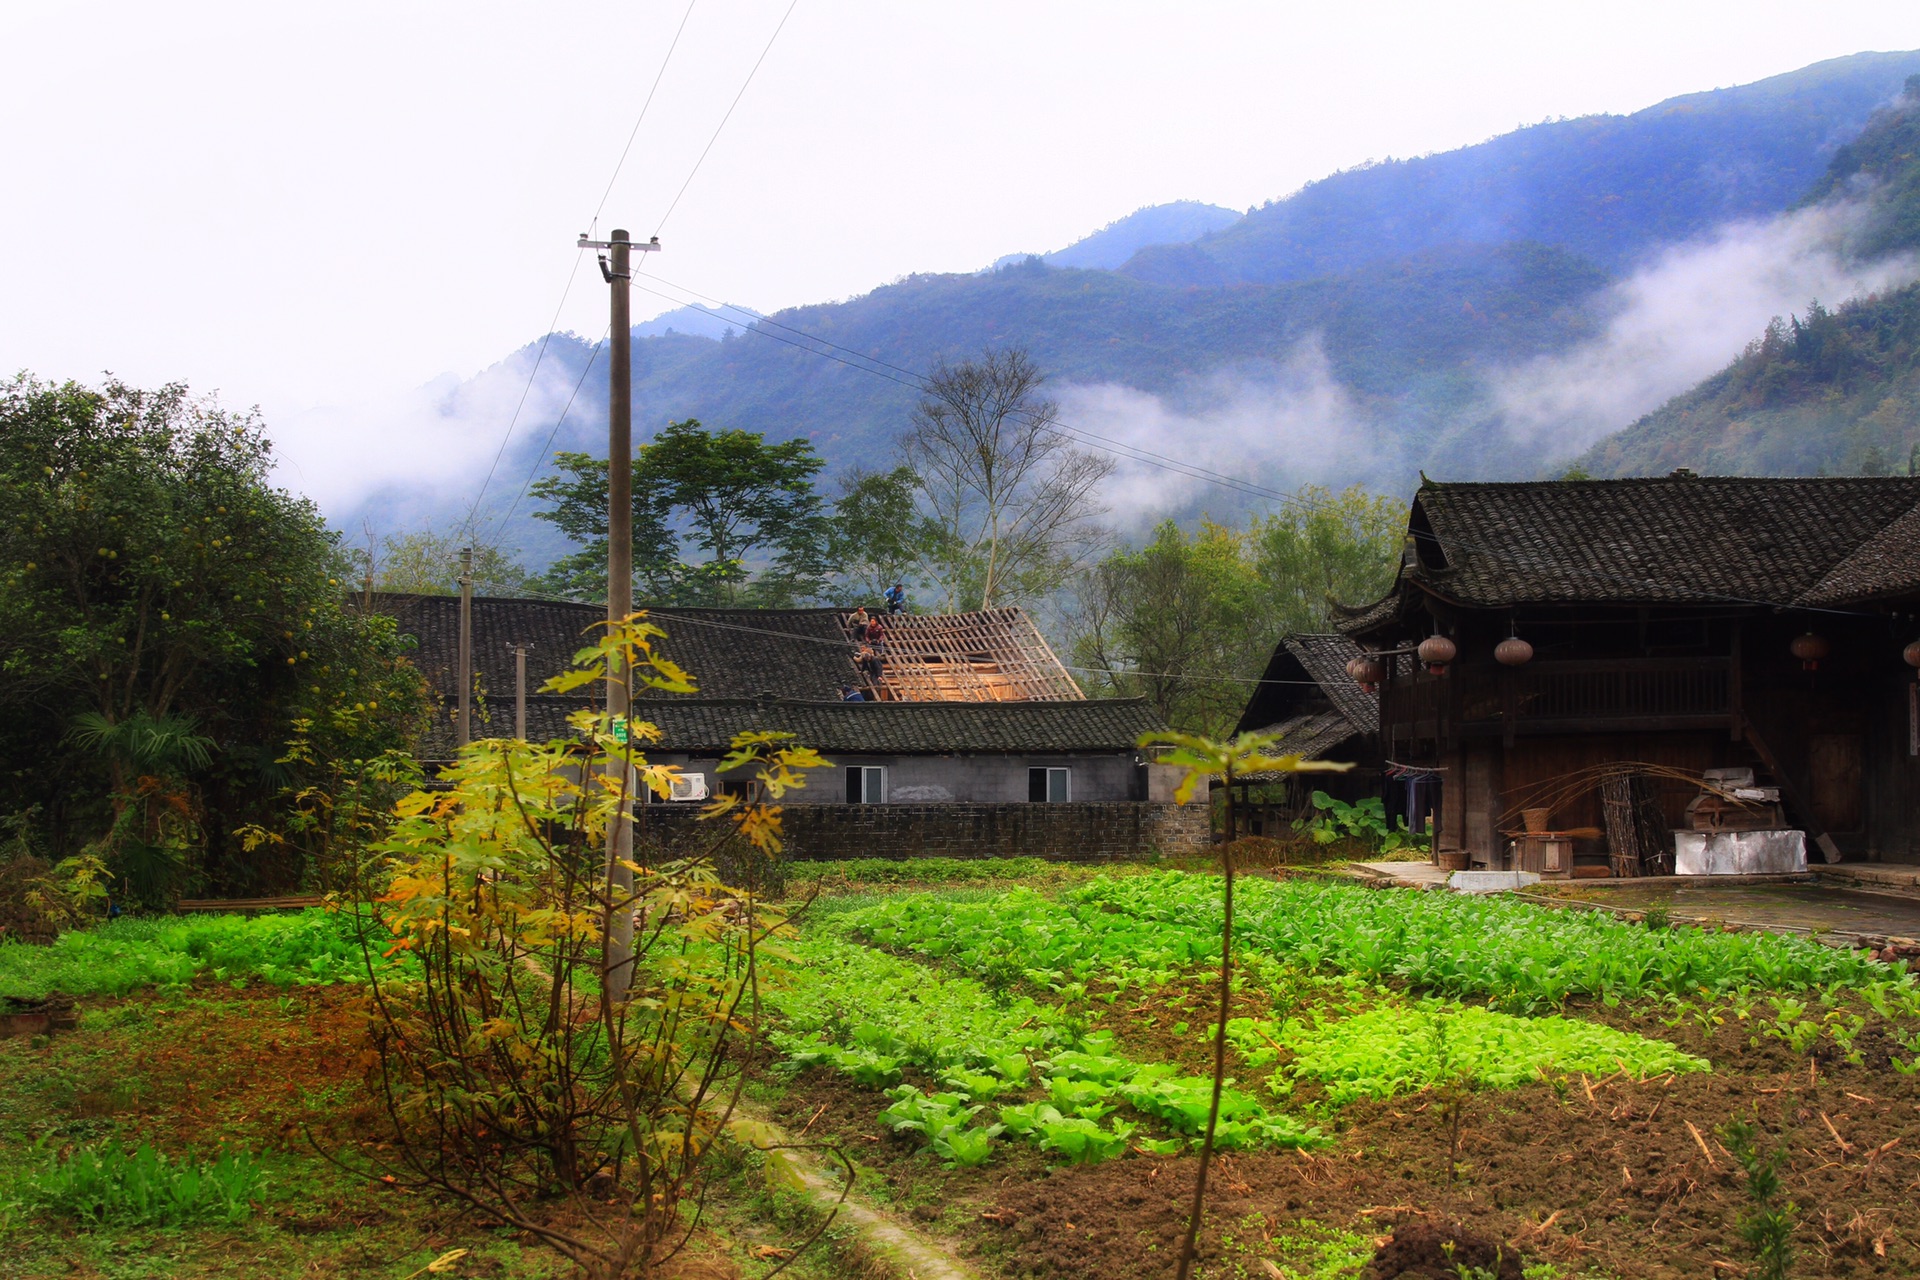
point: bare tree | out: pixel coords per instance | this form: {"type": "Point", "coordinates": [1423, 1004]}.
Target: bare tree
{"type": "Point", "coordinates": [1016, 501]}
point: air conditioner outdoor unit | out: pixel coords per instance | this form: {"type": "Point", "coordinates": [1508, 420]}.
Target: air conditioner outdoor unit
{"type": "Point", "coordinates": [688, 786]}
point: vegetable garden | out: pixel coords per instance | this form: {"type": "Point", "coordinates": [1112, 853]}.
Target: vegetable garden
{"type": "Point", "coordinates": [1015, 1060]}
{"type": "Point", "coordinates": [1027, 1071]}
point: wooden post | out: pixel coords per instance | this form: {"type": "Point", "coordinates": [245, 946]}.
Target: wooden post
{"type": "Point", "coordinates": [520, 692]}
{"type": "Point", "coordinates": [464, 730]}
{"type": "Point", "coordinates": [618, 948]}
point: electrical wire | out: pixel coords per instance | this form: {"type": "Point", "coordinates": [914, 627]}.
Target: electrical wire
{"type": "Point", "coordinates": [673, 614]}
{"type": "Point", "coordinates": [1193, 471]}
{"type": "Point", "coordinates": [572, 274]}
{"type": "Point", "coordinates": [540, 458]}
{"type": "Point", "coordinates": [661, 225]}
{"type": "Point", "coordinates": [657, 77]}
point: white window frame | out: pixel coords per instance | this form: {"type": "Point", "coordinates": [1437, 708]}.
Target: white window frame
{"type": "Point", "coordinates": [1050, 770]}
{"type": "Point", "coordinates": [872, 777]}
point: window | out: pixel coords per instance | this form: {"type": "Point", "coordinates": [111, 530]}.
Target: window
{"type": "Point", "coordinates": [1049, 786]}
{"type": "Point", "coordinates": [866, 784]}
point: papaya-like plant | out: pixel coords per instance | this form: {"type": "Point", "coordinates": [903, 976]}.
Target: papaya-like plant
{"type": "Point", "coordinates": [511, 1073]}
{"type": "Point", "coordinates": [1230, 761]}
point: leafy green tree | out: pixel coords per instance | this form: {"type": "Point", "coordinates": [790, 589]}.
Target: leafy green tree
{"type": "Point", "coordinates": [166, 617]}
{"type": "Point", "coordinates": [427, 563]}
{"type": "Point", "coordinates": [1322, 549]}
{"type": "Point", "coordinates": [749, 510]}
{"type": "Point", "coordinates": [1175, 622]}
{"type": "Point", "coordinates": [879, 537]}
{"type": "Point", "coordinates": [1188, 620]}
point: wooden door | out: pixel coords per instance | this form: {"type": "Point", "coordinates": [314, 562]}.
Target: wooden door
{"type": "Point", "coordinates": [1481, 806]}
{"type": "Point", "coordinates": [1835, 765]}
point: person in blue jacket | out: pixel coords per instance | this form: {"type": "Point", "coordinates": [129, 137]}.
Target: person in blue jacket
{"type": "Point", "coordinates": [896, 598]}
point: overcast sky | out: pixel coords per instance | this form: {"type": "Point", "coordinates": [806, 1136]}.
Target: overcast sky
{"type": "Point", "coordinates": [317, 204]}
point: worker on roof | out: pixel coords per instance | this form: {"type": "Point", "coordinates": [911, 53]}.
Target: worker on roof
{"type": "Point", "coordinates": [876, 635]}
{"type": "Point", "coordinates": [896, 598]}
{"type": "Point", "coordinates": [858, 622]}
{"type": "Point", "coordinates": [850, 694]}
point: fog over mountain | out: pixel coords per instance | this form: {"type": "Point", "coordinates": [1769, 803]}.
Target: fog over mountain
{"type": "Point", "coordinates": [1486, 312]}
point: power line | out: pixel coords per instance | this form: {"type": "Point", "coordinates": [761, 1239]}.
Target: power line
{"type": "Point", "coordinates": [1135, 453]}
{"type": "Point", "coordinates": [572, 274]}
{"type": "Point", "coordinates": [672, 614]}
{"type": "Point", "coordinates": [723, 119]}
{"type": "Point", "coordinates": [657, 77]}
{"type": "Point", "coordinates": [539, 459]}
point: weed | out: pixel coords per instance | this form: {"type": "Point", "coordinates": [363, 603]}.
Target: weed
{"type": "Point", "coordinates": [106, 1184]}
{"type": "Point", "coordinates": [1767, 1225]}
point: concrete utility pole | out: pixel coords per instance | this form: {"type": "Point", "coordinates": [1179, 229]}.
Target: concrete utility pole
{"type": "Point", "coordinates": [618, 946]}
{"type": "Point", "coordinates": [520, 692]}
{"type": "Point", "coordinates": [465, 734]}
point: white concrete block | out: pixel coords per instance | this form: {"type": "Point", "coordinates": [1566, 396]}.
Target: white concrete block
{"type": "Point", "coordinates": [1738, 853]}
{"type": "Point", "coordinates": [1490, 881]}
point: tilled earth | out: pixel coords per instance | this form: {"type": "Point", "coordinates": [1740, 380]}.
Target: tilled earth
{"type": "Point", "coordinates": [1628, 1178]}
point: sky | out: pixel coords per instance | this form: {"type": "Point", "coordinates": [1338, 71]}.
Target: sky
{"type": "Point", "coordinates": [320, 205]}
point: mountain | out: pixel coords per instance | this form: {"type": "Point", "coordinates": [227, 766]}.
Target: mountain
{"type": "Point", "coordinates": [1427, 313]}
{"type": "Point", "coordinates": [1608, 188]}
{"type": "Point", "coordinates": [1826, 391]}
{"type": "Point", "coordinates": [699, 321]}
{"type": "Point", "coordinates": [1161, 224]}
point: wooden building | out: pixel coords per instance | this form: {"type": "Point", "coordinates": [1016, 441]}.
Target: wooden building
{"type": "Point", "coordinates": [1307, 698]}
{"type": "Point", "coordinates": [1656, 628]}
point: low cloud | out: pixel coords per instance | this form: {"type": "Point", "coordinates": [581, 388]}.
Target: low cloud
{"type": "Point", "coordinates": [1681, 318]}
{"type": "Point", "coordinates": [405, 461]}
{"type": "Point", "coordinates": [1277, 426]}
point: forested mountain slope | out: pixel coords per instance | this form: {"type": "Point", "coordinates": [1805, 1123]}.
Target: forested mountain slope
{"type": "Point", "coordinates": [1828, 391]}
{"type": "Point", "coordinates": [1374, 310]}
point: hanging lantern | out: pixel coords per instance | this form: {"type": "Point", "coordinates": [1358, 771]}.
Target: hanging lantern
{"type": "Point", "coordinates": [1367, 671]}
{"type": "Point", "coordinates": [1912, 654]}
{"type": "Point", "coordinates": [1810, 648]}
{"type": "Point", "coordinates": [1513, 652]}
{"type": "Point", "coordinates": [1437, 652]}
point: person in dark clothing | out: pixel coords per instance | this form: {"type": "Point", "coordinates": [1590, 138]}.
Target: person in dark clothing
{"type": "Point", "coordinates": [896, 598]}
{"type": "Point", "coordinates": [870, 663]}
{"type": "Point", "coordinates": [850, 694]}
{"type": "Point", "coordinates": [877, 635]}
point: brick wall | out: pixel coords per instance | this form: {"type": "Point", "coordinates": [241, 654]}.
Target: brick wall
{"type": "Point", "coordinates": [1064, 832]}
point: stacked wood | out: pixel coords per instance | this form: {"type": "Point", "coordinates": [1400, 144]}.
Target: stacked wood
{"type": "Point", "coordinates": [1637, 836]}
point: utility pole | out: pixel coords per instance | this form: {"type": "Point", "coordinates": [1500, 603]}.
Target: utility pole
{"type": "Point", "coordinates": [617, 949]}
{"type": "Point", "coordinates": [520, 692]}
{"type": "Point", "coordinates": [465, 734]}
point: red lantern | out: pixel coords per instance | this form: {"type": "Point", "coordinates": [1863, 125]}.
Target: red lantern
{"type": "Point", "coordinates": [1912, 654]}
{"type": "Point", "coordinates": [1810, 648]}
{"type": "Point", "coordinates": [1437, 652]}
{"type": "Point", "coordinates": [1513, 652]}
{"type": "Point", "coordinates": [1367, 671]}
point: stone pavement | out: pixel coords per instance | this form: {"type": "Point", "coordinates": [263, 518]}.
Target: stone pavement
{"type": "Point", "coordinates": [1873, 902]}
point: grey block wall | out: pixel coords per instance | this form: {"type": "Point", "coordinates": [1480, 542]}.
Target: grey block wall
{"type": "Point", "coordinates": [1076, 832]}
{"type": "Point", "coordinates": [962, 779]}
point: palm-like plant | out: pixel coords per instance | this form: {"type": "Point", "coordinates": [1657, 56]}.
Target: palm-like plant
{"type": "Point", "coordinates": [1229, 760]}
{"type": "Point", "coordinates": [167, 745]}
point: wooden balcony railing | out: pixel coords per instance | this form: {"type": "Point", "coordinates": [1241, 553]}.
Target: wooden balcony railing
{"type": "Point", "coordinates": [1565, 696]}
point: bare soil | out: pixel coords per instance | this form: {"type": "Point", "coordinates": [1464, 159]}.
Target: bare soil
{"type": "Point", "coordinates": [1629, 1178]}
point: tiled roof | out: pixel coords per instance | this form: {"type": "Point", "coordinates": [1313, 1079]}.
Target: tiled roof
{"type": "Point", "coordinates": [1313, 736]}
{"type": "Point", "coordinates": [1306, 679]}
{"type": "Point", "coordinates": [699, 725]}
{"type": "Point", "coordinates": [1658, 541]}
{"type": "Point", "coordinates": [1887, 564]}
{"type": "Point", "coordinates": [1325, 658]}
{"type": "Point", "coordinates": [734, 653]}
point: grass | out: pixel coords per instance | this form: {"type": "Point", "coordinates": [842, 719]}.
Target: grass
{"type": "Point", "coordinates": [313, 947]}
{"type": "Point", "coordinates": [190, 1075]}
